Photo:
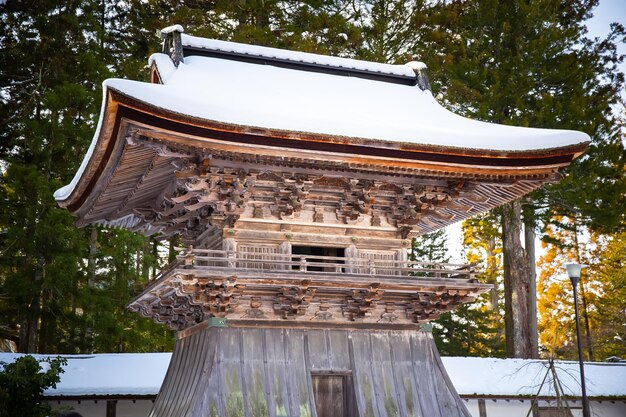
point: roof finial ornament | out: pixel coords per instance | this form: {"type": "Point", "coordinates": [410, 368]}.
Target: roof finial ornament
{"type": "Point", "coordinates": [420, 70]}
{"type": "Point", "coordinates": [172, 44]}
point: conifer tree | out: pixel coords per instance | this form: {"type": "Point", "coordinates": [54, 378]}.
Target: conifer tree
{"type": "Point", "coordinates": [50, 80]}
{"type": "Point", "coordinates": [65, 289]}
{"type": "Point", "coordinates": [609, 269]}
{"type": "Point", "coordinates": [54, 59]}
{"type": "Point", "coordinates": [529, 64]}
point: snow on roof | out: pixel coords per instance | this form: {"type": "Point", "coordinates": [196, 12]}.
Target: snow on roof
{"type": "Point", "coordinates": [295, 56]}
{"type": "Point", "coordinates": [523, 377]}
{"type": "Point", "coordinates": [281, 99]}
{"type": "Point", "coordinates": [107, 374]}
{"type": "Point", "coordinates": [173, 28]}
{"type": "Point", "coordinates": [143, 373]}
{"type": "Point", "coordinates": [270, 97]}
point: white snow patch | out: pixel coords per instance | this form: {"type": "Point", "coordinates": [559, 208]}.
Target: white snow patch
{"type": "Point", "coordinates": [295, 56]}
{"type": "Point", "coordinates": [523, 377]}
{"type": "Point", "coordinates": [173, 28]}
{"type": "Point", "coordinates": [416, 65]}
{"type": "Point", "coordinates": [164, 64]}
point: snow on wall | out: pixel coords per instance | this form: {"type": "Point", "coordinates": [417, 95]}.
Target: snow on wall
{"type": "Point", "coordinates": [143, 373]}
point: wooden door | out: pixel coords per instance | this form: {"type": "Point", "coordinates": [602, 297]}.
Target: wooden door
{"type": "Point", "coordinates": [332, 395]}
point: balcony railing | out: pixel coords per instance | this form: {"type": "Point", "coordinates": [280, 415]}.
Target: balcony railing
{"type": "Point", "coordinates": [264, 263]}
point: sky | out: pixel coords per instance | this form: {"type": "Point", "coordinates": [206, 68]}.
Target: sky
{"type": "Point", "coordinates": [608, 11]}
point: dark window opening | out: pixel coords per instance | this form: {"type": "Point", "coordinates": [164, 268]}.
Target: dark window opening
{"type": "Point", "coordinates": [334, 395]}
{"type": "Point", "coordinates": [310, 252]}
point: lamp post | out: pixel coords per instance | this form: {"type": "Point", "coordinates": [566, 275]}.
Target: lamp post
{"type": "Point", "coordinates": [573, 271]}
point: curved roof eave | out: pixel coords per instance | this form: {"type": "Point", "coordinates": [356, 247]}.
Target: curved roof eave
{"type": "Point", "coordinates": [149, 98]}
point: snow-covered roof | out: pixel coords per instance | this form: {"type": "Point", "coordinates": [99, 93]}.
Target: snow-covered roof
{"type": "Point", "coordinates": [143, 373]}
{"type": "Point", "coordinates": [523, 377]}
{"type": "Point", "coordinates": [218, 85]}
{"type": "Point", "coordinates": [107, 374]}
{"type": "Point", "coordinates": [265, 96]}
{"type": "Point", "coordinates": [270, 97]}
{"type": "Point", "coordinates": [244, 50]}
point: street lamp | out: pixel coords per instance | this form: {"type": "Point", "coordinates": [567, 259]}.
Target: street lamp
{"type": "Point", "coordinates": [573, 271]}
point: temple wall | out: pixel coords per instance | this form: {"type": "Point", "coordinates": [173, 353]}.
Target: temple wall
{"type": "Point", "coordinates": [500, 407]}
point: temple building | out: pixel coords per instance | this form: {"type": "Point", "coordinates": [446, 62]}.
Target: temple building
{"type": "Point", "coordinates": [297, 182]}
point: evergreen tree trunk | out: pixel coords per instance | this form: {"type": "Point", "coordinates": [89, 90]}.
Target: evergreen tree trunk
{"type": "Point", "coordinates": [22, 345]}
{"type": "Point", "coordinates": [29, 329]}
{"type": "Point", "coordinates": [91, 261]}
{"type": "Point", "coordinates": [516, 283]}
{"type": "Point", "coordinates": [171, 254]}
{"type": "Point", "coordinates": [529, 244]}
{"type": "Point", "coordinates": [145, 257]}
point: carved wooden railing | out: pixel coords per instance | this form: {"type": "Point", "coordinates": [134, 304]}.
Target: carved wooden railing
{"type": "Point", "coordinates": [320, 265]}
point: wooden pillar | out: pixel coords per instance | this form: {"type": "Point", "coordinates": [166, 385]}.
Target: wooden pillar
{"type": "Point", "coordinates": [482, 408]}
{"type": "Point", "coordinates": [111, 408]}
{"type": "Point", "coordinates": [285, 250]}
{"type": "Point", "coordinates": [402, 259]}
{"type": "Point", "coordinates": [352, 258]}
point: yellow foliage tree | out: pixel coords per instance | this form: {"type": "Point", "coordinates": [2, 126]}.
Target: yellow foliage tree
{"type": "Point", "coordinates": [567, 242]}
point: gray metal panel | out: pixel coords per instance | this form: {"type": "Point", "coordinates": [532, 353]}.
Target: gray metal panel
{"type": "Point", "coordinates": [338, 352]}
{"type": "Point", "coordinates": [188, 394]}
{"type": "Point", "coordinates": [362, 374]}
{"type": "Point", "coordinates": [406, 384]}
{"type": "Point", "coordinates": [318, 350]}
{"type": "Point", "coordinates": [277, 378]}
{"type": "Point", "coordinates": [266, 372]}
{"type": "Point", "coordinates": [231, 384]}
{"type": "Point", "coordinates": [384, 380]}
{"type": "Point", "coordinates": [254, 372]}
{"type": "Point", "coordinates": [204, 399]}
{"type": "Point", "coordinates": [424, 371]}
